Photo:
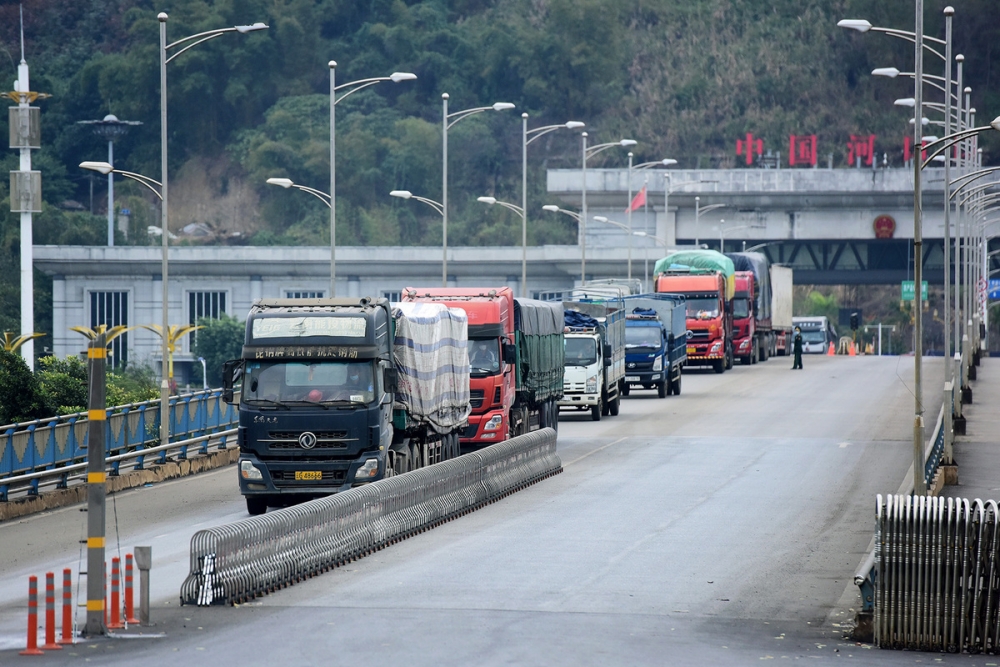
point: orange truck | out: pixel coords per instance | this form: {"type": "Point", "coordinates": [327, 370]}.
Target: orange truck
{"type": "Point", "coordinates": [706, 279]}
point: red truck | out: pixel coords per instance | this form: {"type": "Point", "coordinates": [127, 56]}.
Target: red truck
{"type": "Point", "coordinates": [516, 355]}
{"type": "Point", "coordinates": [709, 314]}
{"type": "Point", "coordinates": [746, 346]}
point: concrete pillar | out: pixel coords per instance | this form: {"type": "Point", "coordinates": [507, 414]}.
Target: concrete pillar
{"type": "Point", "coordinates": [353, 286]}
{"type": "Point", "coordinates": [256, 288]}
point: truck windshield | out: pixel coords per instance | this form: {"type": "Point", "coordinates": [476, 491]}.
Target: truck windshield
{"type": "Point", "coordinates": [741, 309]}
{"type": "Point", "coordinates": [581, 351]}
{"type": "Point", "coordinates": [280, 382]}
{"type": "Point", "coordinates": [642, 336]}
{"type": "Point", "coordinates": [813, 337]}
{"type": "Point", "coordinates": [484, 356]}
{"type": "Point", "coordinates": [702, 309]}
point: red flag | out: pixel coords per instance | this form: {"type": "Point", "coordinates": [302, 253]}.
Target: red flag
{"type": "Point", "coordinates": [639, 200]}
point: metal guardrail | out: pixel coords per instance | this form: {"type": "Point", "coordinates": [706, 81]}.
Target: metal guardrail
{"type": "Point", "coordinates": [937, 574]}
{"type": "Point", "coordinates": [240, 561]}
{"type": "Point", "coordinates": [54, 446]}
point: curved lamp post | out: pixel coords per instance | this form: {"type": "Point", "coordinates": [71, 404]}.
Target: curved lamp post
{"type": "Point", "coordinates": [524, 237]}
{"type": "Point", "coordinates": [698, 210]}
{"type": "Point", "coordinates": [351, 88]}
{"type": "Point", "coordinates": [447, 121]}
{"type": "Point", "coordinates": [527, 136]}
{"type": "Point", "coordinates": [586, 153]}
{"type": "Point", "coordinates": [552, 208]}
{"type": "Point", "coordinates": [665, 162]}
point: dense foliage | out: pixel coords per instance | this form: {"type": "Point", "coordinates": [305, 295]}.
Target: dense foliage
{"type": "Point", "coordinates": [685, 79]}
{"type": "Point", "coordinates": [218, 341]}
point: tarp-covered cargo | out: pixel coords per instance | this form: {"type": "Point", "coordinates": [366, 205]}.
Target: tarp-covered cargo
{"type": "Point", "coordinates": [756, 263]}
{"type": "Point", "coordinates": [541, 354]}
{"type": "Point", "coordinates": [707, 260]}
{"type": "Point", "coordinates": [432, 361]}
{"type": "Point", "coordinates": [671, 309]}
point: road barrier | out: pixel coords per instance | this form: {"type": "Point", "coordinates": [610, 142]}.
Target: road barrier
{"type": "Point", "coordinates": [239, 561]}
{"type": "Point", "coordinates": [937, 574]}
{"type": "Point", "coordinates": [53, 446]}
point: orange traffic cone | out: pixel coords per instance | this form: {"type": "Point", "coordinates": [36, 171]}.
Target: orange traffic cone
{"type": "Point", "coordinates": [830, 352]}
{"type": "Point", "coordinates": [851, 352]}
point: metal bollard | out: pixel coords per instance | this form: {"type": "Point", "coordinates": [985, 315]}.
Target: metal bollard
{"type": "Point", "coordinates": [50, 613]}
{"type": "Point", "coordinates": [129, 608]}
{"type": "Point", "coordinates": [116, 608]}
{"type": "Point", "coordinates": [32, 648]}
{"type": "Point", "coordinates": [144, 561]}
{"type": "Point", "coordinates": [67, 608]}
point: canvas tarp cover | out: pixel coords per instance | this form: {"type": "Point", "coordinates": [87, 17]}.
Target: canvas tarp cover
{"type": "Point", "coordinates": [711, 260]}
{"type": "Point", "coordinates": [538, 318]}
{"type": "Point", "coordinates": [432, 360]}
{"type": "Point", "coordinates": [757, 263]}
{"type": "Point", "coordinates": [541, 351]}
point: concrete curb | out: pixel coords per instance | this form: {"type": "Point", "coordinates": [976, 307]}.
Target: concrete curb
{"type": "Point", "coordinates": [130, 480]}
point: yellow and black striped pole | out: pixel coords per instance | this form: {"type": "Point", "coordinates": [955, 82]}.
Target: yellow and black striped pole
{"type": "Point", "coordinates": [97, 355]}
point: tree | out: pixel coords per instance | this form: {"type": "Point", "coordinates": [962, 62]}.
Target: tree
{"type": "Point", "coordinates": [63, 384]}
{"type": "Point", "coordinates": [217, 342]}
{"type": "Point", "coordinates": [20, 396]}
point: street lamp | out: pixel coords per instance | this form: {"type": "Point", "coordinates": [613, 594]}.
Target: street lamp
{"type": "Point", "coordinates": [665, 162]}
{"type": "Point", "coordinates": [579, 221]}
{"type": "Point", "coordinates": [110, 128]}
{"type": "Point", "coordinates": [587, 153]}
{"type": "Point", "coordinates": [723, 230]}
{"type": "Point", "coordinates": [534, 134]}
{"type": "Point", "coordinates": [524, 239]}
{"type": "Point", "coordinates": [446, 124]}
{"type": "Point", "coordinates": [351, 87]}
{"type": "Point", "coordinates": [698, 210]}
{"type": "Point", "coordinates": [406, 194]}
{"type": "Point", "coordinates": [106, 169]}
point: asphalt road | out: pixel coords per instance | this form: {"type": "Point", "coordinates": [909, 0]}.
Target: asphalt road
{"type": "Point", "coordinates": [722, 527]}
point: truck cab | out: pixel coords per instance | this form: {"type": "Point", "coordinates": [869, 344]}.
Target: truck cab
{"type": "Point", "coordinates": [745, 343]}
{"type": "Point", "coordinates": [595, 356]}
{"type": "Point", "coordinates": [646, 352]}
{"type": "Point", "coordinates": [709, 316]}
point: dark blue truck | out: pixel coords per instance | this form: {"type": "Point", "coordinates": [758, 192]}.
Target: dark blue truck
{"type": "Point", "coordinates": [655, 342]}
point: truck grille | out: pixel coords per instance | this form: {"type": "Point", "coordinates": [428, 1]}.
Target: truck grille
{"type": "Point", "coordinates": [639, 366]}
{"type": "Point", "coordinates": [324, 440]}
{"type": "Point", "coordinates": [470, 431]}
{"type": "Point", "coordinates": [574, 387]}
{"type": "Point", "coordinates": [699, 335]}
{"type": "Point", "coordinates": [476, 398]}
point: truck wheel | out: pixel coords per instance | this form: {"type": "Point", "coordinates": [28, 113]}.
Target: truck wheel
{"type": "Point", "coordinates": [661, 389]}
{"type": "Point", "coordinates": [256, 505]}
{"type": "Point", "coordinates": [615, 406]}
{"type": "Point", "coordinates": [626, 389]}
{"type": "Point", "coordinates": [746, 361]}
{"type": "Point", "coordinates": [755, 353]}
{"type": "Point", "coordinates": [677, 385]}
{"type": "Point", "coordinates": [596, 411]}
{"type": "Point", "coordinates": [719, 365]}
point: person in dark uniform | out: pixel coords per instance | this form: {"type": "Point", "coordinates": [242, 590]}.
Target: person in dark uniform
{"type": "Point", "coordinates": [797, 349]}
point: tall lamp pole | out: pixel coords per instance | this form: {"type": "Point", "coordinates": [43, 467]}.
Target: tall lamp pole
{"type": "Point", "coordinates": [665, 162]}
{"type": "Point", "coordinates": [579, 222]}
{"type": "Point", "coordinates": [354, 87]}
{"type": "Point", "coordinates": [110, 128]}
{"type": "Point", "coordinates": [446, 124]}
{"type": "Point", "coordinates": [181, 45]}
{"type": "Point", "coordinates": [527, 136]}
{"type": "Point", "coordinates": [585, 154]}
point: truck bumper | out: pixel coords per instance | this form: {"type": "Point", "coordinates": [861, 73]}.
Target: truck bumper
{"type": "Point", "coordinates": [278, 478]}
{"type": "Point", "coordinates": [476, 432]}
{"type": "Point", "coordinates": [579, 400]}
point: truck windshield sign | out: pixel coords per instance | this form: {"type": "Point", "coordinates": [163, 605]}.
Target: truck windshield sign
{"type": "Point", "coordinates": [303, 327]}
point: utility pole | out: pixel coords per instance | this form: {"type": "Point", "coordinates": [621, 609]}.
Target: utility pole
{"type": "Point", "coordinates": [97, 355]}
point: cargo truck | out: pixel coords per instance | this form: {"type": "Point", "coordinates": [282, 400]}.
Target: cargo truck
{"type": "Point", "coordinates": [516, 360]}
{"type": "Point", "coordinates": [655, 343]}
{"type": "Point", "coordinates": [750, 340]}
{"type": "Point", "coordinates": [754, 323]}
{"type": "Point", "coordinates": [595, 355]}
{"type": "Point", "coordinates": [781, 308]}
{"type": "Point", "coordinates": [335, 393]}
{"type": "Point", "coordinates": [705, 278]}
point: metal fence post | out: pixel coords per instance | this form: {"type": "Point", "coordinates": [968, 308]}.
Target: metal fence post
{"type": "Point", "coordinates": [97, 353]}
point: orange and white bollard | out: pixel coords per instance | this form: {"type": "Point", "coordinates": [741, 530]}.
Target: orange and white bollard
{"type": "Point", "coordinates": [50, 613]}
{"type": "Point", "coordinates": [32, 648]}
{"type": "Point", "coordinates": [67, 608]}
{"type": "Point", "coordinates": [129, 599]}
{"type": "Point", "coordinates": [116, 608]}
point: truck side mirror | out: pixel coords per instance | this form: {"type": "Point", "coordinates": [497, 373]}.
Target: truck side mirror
{"type": "Point", "coordinates": [509, 353]}
{"type": "Point", "coordinates": [231, 371]}
{"type": "Point", "coordinates": [606, 350]}
{"type": "Point", "coordinates": [671, 340]}
{"type": "Point", "coordinates": [390, 380]}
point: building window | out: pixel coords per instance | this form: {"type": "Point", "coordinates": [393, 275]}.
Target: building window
{"type": "Point", "coordinates": [303, 294]}
{"type": "Point", "coordinates": [211, 305]}
{"type": "Point", "coordinates": [111, 309]}
{"type": "Point", "coordinates": [548, 296]}
{"type": "Point", "coordinates": [393, 297]}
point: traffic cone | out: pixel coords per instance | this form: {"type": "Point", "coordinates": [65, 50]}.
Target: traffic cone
{"type": "Point", "coordinates": [851, 352]}
{"type": "Point", "coordinates": [830, 352]}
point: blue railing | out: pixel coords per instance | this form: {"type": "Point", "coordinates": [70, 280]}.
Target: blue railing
{"type": "Point", "coordinates": [49, 444]}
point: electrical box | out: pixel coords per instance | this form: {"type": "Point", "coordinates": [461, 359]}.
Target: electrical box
{"type": "Point", "coordinates": [25, 192]}
{"type": "Point", "coordinates": [25, 127]}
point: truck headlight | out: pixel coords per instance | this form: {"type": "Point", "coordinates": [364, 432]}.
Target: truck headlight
{"type": "Point", "coordinates": [249, 471]}
{"type": "Point", "coordinates": [368, 470]}
{"type": "Point", "coordinates": [494, 423]}
{"type": "Point", "coordinates": [745, 344]}
{"type": "Point", "coordinates": [592, 384]}
{"type": "Point", "coordinates": [716, 346]}
{"type": "Point", "coordinates": [658, 364]}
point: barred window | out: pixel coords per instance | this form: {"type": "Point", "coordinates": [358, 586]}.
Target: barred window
{"type": "Point", "coordinates": [303, 294]}
{"type": "Point", "coordinates": [111, 309]}
{"type": "Point", "coordinates": [204, 304]}
{"type": "Point", "coordinates": [393, 297]}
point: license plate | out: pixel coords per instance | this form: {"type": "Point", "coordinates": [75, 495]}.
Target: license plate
{"type": "Point", "coordinates": [692, 349]}
{"type": "Point", "coordinates": [631, 378]}
{"type": "Point", "coordinates": [308, 475]}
